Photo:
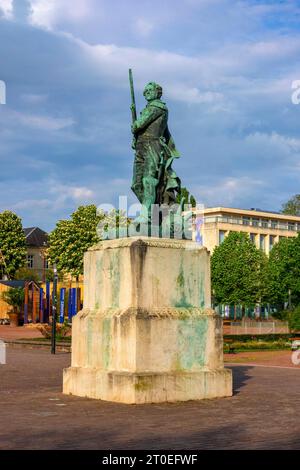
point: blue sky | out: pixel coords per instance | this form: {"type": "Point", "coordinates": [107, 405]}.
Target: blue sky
{"type": "Point", "coordinates": [226, 67]}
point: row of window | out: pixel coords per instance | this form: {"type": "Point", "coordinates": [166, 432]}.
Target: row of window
{"type": "Point", "coordinates": [255, 222]}
{"type": "Point", "coordinates": [261, 239]}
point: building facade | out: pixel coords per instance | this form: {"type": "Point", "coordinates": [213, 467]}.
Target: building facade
{"type": "Point", "coordinates": [264, 228]}
{"type": "Point", "coordinates": [37, 242]}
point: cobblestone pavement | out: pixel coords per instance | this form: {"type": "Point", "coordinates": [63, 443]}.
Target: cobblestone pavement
{"type": "Point", "coordinates": [262, 414]}
{"type": "Point", "coordinates": [8, 332]}
{"type": "Point", "coordinates": [264, 358]}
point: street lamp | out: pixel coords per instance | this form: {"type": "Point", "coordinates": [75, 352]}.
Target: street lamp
{"type": "Point", "coordinates": [54, 309]}
{"type": "Point", "coordinates": [290, 299]}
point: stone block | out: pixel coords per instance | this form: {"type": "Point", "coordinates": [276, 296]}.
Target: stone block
{"type": "Point", "coordinates": [147, 332]}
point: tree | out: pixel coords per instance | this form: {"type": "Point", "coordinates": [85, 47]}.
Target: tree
{"type": "Point", "coordinates": [239, 271]}
{"type": "Point", "coordinates": [26, 274]}
{"type": "Point", "coordinates": [12, 244]}
{"type": "Point", "coordinates": [72, 238]}
{"type": "Point", "coordinates": [284, 271]}
{"type": "Point", "coordinates": [294, 319]}
{"type": "Point", "coordinates": [292, 206]}
{"type": "Point", "coordinates": [14, 297]}
{"type": "Point", "coordinates": [188, 199]}
{"type": "Point", "coordinates": [115, 219]}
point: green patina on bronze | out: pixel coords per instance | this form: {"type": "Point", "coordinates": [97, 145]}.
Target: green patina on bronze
{"type": "Point", "coordinates": [154, 180]}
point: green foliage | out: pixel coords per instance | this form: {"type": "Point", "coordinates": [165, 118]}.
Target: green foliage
{"type": "Point", "coordinates": [49, 275]}
{"type": "Point", "coordinates": [62, 330]}
{"type": "Point", "coordinates": [284, 271]}
{"type": "Point", "coordinates": [257, 345]}
{"type": "Point", "coordinates": [12, 244]}
{"type": "Point", "coordinates": [114, 224]}
{"type": "Point", "coordinates": [72, 238]}
{"type": "Point", "coordinates": [264, 337]}
{"type": "Point", "coordinates": [188, 199]}
{"type": "Point", "coordinates": [292, 206]}
{"type": "Point", "coordinates": [239, 271]}
{"type": "Point", "coordinates": [14, 297]}
{"type": "Point", "coordinates": [280, 314]}
{"type": "Point", "coordinates": [115, 219]}
{"type": "Point", "coordinates": [26, 274]}
{"type": "Point", "coordinates": [193, 201]}
{"type": "Point", "coordinates": [293, 318]}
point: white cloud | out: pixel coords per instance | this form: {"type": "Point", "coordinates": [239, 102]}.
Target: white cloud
{"type": "Point", "coordinates": [46, 123]}
{"type": "Point", "coordinates": [229, 190]}
{"type": "Point", "coordinates": [33, 203]}
{"type": "Point", "coordinates": [203, 78]}
{"type": "Point", "coordinates": [276, 140]}
{"type": "Point", "coordinates": [32, 98]}
{"type": "Point", "coordinates": [238, 73]}
{"type": "Point", "coordinates": [78, 193]}
{"type": "Point", "coordinates": [6, 8]}
{"type": "Point", "coordinates": [47, 13]}
{"type": "Point", "coordinates": [143, 27]}
{"type": "Point", "coordinates": [181, 92]}
{"type": "Point", "coordinates": [56, 197]}
{"type": "Point", "coordinates": [65, 192]}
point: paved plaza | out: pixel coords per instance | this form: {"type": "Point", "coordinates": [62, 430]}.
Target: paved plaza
{"type": "Point", "coordinates": [262, 414]}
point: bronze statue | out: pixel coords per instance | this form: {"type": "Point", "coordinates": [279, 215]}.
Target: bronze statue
{"type": "Point", "coordinates": [154, 180]}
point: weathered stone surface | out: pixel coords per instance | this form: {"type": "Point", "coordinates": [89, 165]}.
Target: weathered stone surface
{"type": "Point", "coordinates": [147, 332]}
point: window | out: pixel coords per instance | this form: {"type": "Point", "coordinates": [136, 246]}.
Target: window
{"type": "Point", "coordinates": [235, 220]}
{"type": "Point", "coordinates": [274, 224]}
{"type": "Point", "coordinates": [30, 259]}
{"type": "Point", "coordinates": [291, 226]}
{"type": "Point", "coordinates": [255, 222]}
{"type": "Point", "coordinates": [264, 223]}
{"type": "Point", "coordinates": [221, 236]}
{"type": "Point", "coordinates": [246, 220]}
{"type": "Point", "coordinates": [252, 237]}
{"type": "Point", "coordinates": [46, 263]}
{"type": "Point", "coordinates": [262, 242]}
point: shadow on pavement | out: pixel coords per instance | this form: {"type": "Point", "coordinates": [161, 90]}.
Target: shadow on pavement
{"type": "Point", "coordinates": [240, 377]}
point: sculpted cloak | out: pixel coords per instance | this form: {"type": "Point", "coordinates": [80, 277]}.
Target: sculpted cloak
{"type": "Point", "coordinates": [154, 180]}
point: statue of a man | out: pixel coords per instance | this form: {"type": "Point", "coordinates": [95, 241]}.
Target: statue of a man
{"type": "Point", "coordinates": [154, 180]}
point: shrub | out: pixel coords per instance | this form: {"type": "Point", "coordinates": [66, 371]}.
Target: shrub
{"type": "Point", "coordinates": [293, 318]}
{"type": "Point", "coordinates": [26, 274]}
{"type": "Point", "coordinates": [61, 330]}
{"type": "Point", "coordinates": [14, 297]}
{"type": "Point", "coordinates": [257, 345]}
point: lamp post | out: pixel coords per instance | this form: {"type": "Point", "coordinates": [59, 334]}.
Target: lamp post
{"type": "Point", "coordinates": [290, 299]}
{"type": "Point", "coordinates": [54, 310]}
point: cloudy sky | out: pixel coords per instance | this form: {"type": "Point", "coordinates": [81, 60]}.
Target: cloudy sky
{"type": "Point", "coordinates": [226, 66]}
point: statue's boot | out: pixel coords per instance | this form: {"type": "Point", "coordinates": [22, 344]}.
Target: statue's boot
{"type": "Point", "coordinates": [149, 196]}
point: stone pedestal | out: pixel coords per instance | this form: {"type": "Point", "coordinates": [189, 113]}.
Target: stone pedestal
{"type": "Point", "coordinates": [147, 333]}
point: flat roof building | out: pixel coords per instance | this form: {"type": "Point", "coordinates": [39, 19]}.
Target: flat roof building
{"type": "Point", "coordinates": [264, 228]}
